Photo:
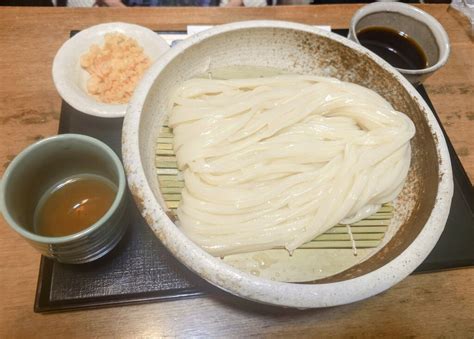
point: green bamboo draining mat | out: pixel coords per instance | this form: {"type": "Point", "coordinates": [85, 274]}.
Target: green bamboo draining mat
{"type": "Point", "coordinates": [367, 233]}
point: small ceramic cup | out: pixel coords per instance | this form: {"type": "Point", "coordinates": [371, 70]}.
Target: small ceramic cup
{"type": "Point", "coordinates": [44, 165]}
{"type": "Point", "coordinates": [419, 25]}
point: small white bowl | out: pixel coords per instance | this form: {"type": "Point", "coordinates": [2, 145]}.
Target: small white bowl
{"type": "Point", "coordinates": [70, 78]}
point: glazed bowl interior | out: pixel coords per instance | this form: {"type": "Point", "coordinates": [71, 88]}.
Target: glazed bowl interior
{"type": "Point", "coordinates": [420, 210]}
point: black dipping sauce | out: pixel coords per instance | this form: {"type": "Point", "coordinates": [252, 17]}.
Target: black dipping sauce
{"type": "Point", "coordinates": [397, 48]}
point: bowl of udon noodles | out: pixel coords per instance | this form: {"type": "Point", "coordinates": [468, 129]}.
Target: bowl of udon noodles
{"type": "Point", "coordinates": [287, 165]}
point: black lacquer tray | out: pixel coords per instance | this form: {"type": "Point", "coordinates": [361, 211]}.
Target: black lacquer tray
{"type": "Point", "coordinates": [140, 269]}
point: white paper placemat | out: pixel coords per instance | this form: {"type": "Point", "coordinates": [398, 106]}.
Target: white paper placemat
{"type": "Point", "coordinates": [173, 38]}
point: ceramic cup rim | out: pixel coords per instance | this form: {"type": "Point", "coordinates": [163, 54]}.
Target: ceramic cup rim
{"type": "Point", "coordinates": [53, 140]}
{"type": "Point", "coordinates": [441, 37]}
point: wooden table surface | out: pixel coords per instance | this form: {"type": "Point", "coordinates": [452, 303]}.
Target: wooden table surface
{"type": "Point", "coordinates": [424, 304]}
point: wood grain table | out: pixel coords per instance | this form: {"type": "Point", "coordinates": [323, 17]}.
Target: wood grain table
{"type": "Point", "coordinates": [436, 304]}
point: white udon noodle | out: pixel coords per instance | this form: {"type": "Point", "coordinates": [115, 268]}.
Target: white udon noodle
{"type": "Point", "coordinates": [274, 162]}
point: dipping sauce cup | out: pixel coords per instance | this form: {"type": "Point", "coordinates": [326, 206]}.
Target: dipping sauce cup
{"type": "Point", "coordinates": [411, 22]}
{"type": "Point", "coordinates": [40, 171]}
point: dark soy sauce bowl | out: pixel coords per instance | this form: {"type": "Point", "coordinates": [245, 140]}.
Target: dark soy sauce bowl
{"type": "Point", "coordinates": [418, 33]}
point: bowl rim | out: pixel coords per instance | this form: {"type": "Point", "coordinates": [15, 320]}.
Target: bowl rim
{"type": "Point", "coordinates": [244, 284]}
{"type": "Point", "coordinates": [66, 87]}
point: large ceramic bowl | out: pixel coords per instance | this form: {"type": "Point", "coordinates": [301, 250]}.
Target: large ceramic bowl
{"type": "Point", "coordinates": [421, 209]}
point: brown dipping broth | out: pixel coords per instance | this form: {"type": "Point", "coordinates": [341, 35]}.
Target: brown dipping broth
{"type": "Point", "coordinates": [395, 47]}
{"type": "Point", "coordinates": [73, 205]}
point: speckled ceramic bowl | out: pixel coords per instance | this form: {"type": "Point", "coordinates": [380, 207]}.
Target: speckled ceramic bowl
{"type": "Point", "coordinates": [421, 209]}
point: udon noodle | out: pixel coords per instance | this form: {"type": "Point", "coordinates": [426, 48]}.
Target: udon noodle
{"type": "Point", "coordinates": [274, 162]}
